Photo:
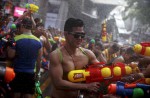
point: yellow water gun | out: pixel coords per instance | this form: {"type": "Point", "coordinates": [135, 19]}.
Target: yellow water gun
{"type": "Point", "coordinates": [142, 48]}
{"type": "Point", "coordinates": [111, 73]}
{"type": "Point", "coordinates": [32, 7]}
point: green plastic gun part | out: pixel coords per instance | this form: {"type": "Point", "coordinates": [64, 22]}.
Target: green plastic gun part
{"type": "Point", "coordinates": [38, 89]}
{"type": "Point", "coordinates": [138, 93]}
{"type": "Point", "coordinates": [13, 26]}
{"type": "Point", "coordinates": [27, 5]}
{"type": "Point", "coordinates": [39, 97]}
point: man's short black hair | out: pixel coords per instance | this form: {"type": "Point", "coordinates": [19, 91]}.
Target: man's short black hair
{"type": "Point", "coordinates": [129, 51]}
{"type": "Point", "coordinates": [27, 23]}
{"type": "Point", "coordinates": [72, 22]}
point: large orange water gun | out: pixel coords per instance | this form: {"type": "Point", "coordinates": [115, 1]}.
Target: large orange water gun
{"type": "Point", "coordinates": [100, 74]}
{"type": "Point", "coordinates": [142, 48]}
{"type": "Point", "coordinates": [6, 73]}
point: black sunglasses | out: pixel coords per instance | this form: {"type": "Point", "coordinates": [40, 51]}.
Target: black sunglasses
{"type": "Point", "coordinates": [77, 34]}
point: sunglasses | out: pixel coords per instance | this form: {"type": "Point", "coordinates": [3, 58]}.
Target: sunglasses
{"type": "Point", "coordinates": [77, 34]}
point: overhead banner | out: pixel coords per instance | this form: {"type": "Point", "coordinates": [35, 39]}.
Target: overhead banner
{"type": "Point", "coordinates": [18, 11]}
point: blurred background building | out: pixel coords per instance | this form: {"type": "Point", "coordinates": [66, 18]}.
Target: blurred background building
{"type": "Point", "coordinates": [92, 12]}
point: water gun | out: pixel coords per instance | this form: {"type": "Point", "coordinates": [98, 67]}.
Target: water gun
{"type": "Point", "coordinates": [6, 73]}
{"type": "Point", "coordinates": [38, 90]}
{"type": "Point", "coordinates": [134, 90]}
{"type": "Point", "coordinates": [134, 67]}
{"type": "Point", "coordinates": [45, 63]}
{"type": "Point", "coordinates": [32, 7]}
{"type": "Point", "coordinates": [100, 74]}
{"type": "Point", "coordinates": [143, 81]}
{"type": "Point", "coordinates": [13, 29]}
{"type": "Point", "coordinates": [142, 48]}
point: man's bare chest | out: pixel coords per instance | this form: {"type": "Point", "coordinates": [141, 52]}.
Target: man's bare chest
{"type": "Point", "coordinates": [74, 62]}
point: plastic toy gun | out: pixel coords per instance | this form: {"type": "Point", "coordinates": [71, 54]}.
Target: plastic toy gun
{"type": "Point", "coordinates": [142, 48]}
{"type": "Point", "coordinates": [100, 74]}
{"type": "Point", "coordinates": [6, 73]}
{"type": "Point", "coordinates": [38, 90]}
{"type": "Point", "coordinates": [130, 90]}
{"type": "Point", "coordinates": [32, 7]}
{"type": "Point", "coordinates": [45, 63]}
{"type": "Point", "coordinates": [13, 29]}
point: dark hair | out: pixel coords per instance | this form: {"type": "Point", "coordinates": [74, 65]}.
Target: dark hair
{"type": "Point", "coordinates": [129, 51]}
{"type": "Point", "coordinates": [27, 23]}
{"type": "Point", "coordinates": [72, 22]}
{"type": "Point", "coordinates": [37, 20]}
{"type": "Point", "coordinates": [40, 24]}
{"type": "Point", "coordinates": [115, 47]}
{"type": "Point", "coordinates": [100, 45]}
{"type": "Point", "coordinates": [18, 25]}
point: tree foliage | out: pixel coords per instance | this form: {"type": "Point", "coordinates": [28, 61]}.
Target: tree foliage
{"type": "Point", "coordinates": [140, 9]}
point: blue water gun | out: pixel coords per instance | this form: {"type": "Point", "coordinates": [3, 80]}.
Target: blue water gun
{"type": "Point", "coordinates": [133, 90]}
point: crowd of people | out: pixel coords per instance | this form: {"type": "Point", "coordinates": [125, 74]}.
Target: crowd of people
{"type": "Point", "coordinates": [64, 51]}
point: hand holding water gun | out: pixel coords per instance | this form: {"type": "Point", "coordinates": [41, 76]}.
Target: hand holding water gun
{"type": "Point", "coordinates": [134, 90]}
{"type": "Point", "coordinates": [32, 7]}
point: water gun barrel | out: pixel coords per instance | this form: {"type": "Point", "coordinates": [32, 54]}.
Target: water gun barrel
{"type": "Point", "coordinates": [142, 48]}
{"type": "Point", "coordinates": [7, 73]}
{"type": "Point", "coordinates": [99, 74]}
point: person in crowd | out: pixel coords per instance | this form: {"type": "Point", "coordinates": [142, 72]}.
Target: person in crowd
{"type": "Point", "coordinates": [26, 55]}
{"type": "Point", "coordinates": [71, 57]}
{"type": "Point", "coordinates": [98, 51]}
{"type": "Point", "coordinates": [111, 52]}
{"type": "Point", "coordinates": [143, 65]}
{"type": "Point", "coordinates": [41, 33]}
{"type": "Point", "coordinates": [126, 56]}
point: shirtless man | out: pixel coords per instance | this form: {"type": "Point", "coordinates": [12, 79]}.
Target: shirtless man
{"type": "Point", "coordinates": [70, 57]}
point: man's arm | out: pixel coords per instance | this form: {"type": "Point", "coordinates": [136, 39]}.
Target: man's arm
{"type": "Point", "coordinates": [56, 73]}
{"type": "Point", "coordinates": [47, 43]}
{"type": "Point", "coordinates": [38, 63]}
{"type": "Point", "coordinates": [11, 52]}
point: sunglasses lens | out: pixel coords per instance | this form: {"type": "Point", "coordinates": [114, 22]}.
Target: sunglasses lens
{"type": "Point", "coordinates": [79, 35]}
{"type": "Point", "coordinates": [76, 36]}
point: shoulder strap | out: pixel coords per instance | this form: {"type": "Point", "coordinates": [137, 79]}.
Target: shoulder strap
{"type": "Point", "coordinates": [60, 55]}
{"type": "Point", "coordinates": [83, 51]}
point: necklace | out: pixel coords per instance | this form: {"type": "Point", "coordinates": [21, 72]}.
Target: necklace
{"type": "Point", "coordinates": [70, 55]}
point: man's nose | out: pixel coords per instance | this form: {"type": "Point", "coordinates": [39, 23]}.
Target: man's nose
{"type": "Point", "coordinates": [80, 37]}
